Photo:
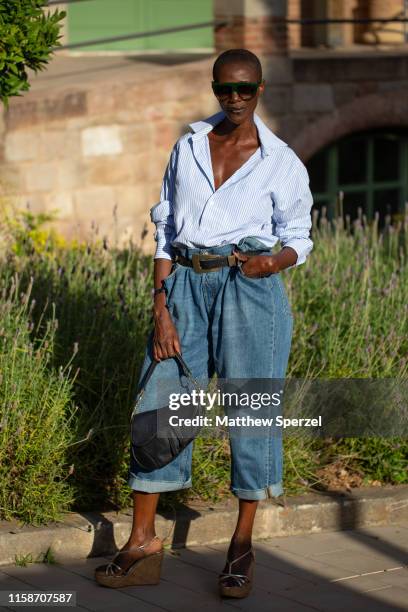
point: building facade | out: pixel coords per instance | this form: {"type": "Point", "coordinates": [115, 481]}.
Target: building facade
{"type": "Point", "coordinates": [93, 136]}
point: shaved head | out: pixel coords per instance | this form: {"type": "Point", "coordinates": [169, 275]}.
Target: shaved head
{"type": "Point", "coordinates": [235, 56]}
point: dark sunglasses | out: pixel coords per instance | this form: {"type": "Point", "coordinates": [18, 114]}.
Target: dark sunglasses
{"type": "Point", "coordinates": [244, 89]}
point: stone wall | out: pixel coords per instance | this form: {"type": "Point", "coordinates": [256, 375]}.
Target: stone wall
{"type": "Point", "coordinates": [333, 97]}
{"type": "Point", "coordinates": [92, 150]}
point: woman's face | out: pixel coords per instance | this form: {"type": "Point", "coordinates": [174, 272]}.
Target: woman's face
{"type": "Point", "coordinates": [236, 109]}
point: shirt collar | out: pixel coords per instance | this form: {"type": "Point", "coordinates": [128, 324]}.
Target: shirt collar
{"type": "Point", "coordinates": [269, 141]}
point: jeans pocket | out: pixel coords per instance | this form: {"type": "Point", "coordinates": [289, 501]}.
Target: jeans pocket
{"type": "Point", "coordinates": [173, 272]}
{"type": "Point", "coordinates": [252, 279]}
{"type": "Point", "coordinates": [169, 282]}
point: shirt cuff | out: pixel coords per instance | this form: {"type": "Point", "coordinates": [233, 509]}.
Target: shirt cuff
{"type": "Point", "coordinates": [302, 246]}
{"type": "Point", "coordinates": [163, 251]}
{"type": "Point", "coordinates": [162, 216]}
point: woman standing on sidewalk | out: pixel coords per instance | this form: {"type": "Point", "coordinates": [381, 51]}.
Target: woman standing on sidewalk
{"type": "Point", "coordinates": [231, 190]}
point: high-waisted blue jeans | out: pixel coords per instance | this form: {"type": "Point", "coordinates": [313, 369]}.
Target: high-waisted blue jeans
{"type": "Point", "coordinates": [238, 327]}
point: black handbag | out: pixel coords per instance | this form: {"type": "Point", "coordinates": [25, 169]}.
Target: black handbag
{"type": "Point", "coordinates": [154, 441]}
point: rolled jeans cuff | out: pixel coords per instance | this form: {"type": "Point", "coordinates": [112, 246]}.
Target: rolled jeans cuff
{"type": "Point", "coordinates": [274, 490]}
{"type": "Point", "coordinates": [156, 486]}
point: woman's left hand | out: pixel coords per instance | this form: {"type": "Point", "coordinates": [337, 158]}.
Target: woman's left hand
{"type": "Point", "coordinates": [257, 266]}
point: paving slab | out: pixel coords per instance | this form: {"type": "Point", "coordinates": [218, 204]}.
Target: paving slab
{"type": "Point", "coordinates": [393, 597]}
{"type": "Point", "coordinates": [55, 578]}
{"type": "Point", "coordinates": [344, 549]}
{"type": "Point", "coordinates": [307, 569]}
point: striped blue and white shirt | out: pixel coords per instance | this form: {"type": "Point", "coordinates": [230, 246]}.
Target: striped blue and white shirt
{"type": "Point", "coordinates": [268, 197]}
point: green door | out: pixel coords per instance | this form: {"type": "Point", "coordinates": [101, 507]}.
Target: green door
{"type": "Point", "coordinates": [94, 19]}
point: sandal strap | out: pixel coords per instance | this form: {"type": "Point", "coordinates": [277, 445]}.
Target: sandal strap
{"type": "Point", "coordinates": [141, 546]}
{"type": "Point", "coordinates": [109, 568]}
{"type": "Point", "coordinates": [231, 563]}
{"type": "Point", "coordinates": [239, 578]}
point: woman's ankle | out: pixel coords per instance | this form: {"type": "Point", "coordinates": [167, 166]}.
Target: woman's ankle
{"type": "Point", "coordinates": [241, 539]}
{"type": "Point", "coordinates": [142, 538]}
{"type": "Point", "coordinates": [240, 543]}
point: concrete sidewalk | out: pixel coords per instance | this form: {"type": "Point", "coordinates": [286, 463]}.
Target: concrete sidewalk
{"type": "Point", "coordinates": [363, 569]}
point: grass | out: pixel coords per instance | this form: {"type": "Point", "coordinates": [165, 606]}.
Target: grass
{"type": "Point", "coordinates": [48, 557]}
{"type": "Point", "coordinates": [74, 322]}
{"type": "Point", "coordinates": [24, 560]}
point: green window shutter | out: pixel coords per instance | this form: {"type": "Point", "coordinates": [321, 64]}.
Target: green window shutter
{"type": "Point", "coordinates": [94, 19]}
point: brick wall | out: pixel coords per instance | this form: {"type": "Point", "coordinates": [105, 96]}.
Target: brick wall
{"type": "Point", "coordinates": [253, 24]}
{"type": "Point", "coordinates": [384, 33]}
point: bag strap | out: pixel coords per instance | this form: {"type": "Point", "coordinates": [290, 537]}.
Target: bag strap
{"type": "Point", "coordinates": [149, 373]}
{"type": "Point", "coordinates": [187, 370]}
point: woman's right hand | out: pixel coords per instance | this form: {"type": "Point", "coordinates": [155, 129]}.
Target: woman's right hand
{"type": "Point", "coordinates": [165, 340]}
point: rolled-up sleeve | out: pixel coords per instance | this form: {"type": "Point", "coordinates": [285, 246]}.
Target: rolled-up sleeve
{"type": "Point", "coordinates": [291, 217]}
{"type": "Point", "coordinates": [161, 213]}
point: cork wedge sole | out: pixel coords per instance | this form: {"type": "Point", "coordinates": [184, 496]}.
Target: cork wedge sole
{"type": "Point", "coordinates": [243, 583]}
{"type": "Point", "coordinates": [236, 592]}
{"type": "Point", "coordinates": [143, 571]}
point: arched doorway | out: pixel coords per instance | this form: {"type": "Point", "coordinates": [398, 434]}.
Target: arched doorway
{"type": "Point", "coordinates": [369, 167]}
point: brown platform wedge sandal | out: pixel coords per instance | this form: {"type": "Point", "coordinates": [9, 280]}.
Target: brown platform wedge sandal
{"type": "Point", "coordinates": [243, 584]}
{"type": "Point", "coordinates": [144, 570]}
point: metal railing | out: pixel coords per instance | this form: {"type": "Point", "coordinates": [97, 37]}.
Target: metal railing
{"type": "Point", "coordinates": [51, 2]}
{"type": "Point", "coordinates": [304, 21]}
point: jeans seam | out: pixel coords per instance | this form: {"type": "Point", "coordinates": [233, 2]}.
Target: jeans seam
{"type": "Point", "coordinates": [183, 467]}
{"type": "Point", "coordinates": [204, 288]}
{"type": "Point", "coordinates": [284, 298]}
{"type": "Point", "coordinates": [272, 347]}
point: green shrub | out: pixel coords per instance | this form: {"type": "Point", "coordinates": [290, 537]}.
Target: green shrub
{"type": "Point", "coordinates": [27, 37]}
{"type": "Point", "coordinates": [381, 459]}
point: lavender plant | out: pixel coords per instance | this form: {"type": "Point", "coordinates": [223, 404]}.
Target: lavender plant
{"type": "Point", "coordinates": [36, 413]}
{"type": "Point", "coordinates": [93, 308]}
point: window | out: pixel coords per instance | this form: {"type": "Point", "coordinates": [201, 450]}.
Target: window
{"type": "Point", "coordinates": [370, 168]}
